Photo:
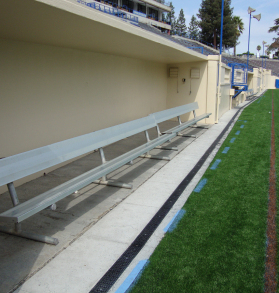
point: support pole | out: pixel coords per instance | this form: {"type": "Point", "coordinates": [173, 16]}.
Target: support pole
{"type": "Point", "coordinates": [179, 120]}
{"type": "Point", "coordinates": [102, 154]}
{"type": "Point", "coordinates": [158, 130]}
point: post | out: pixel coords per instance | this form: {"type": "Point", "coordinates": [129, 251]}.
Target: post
{"type": "Point", "coordinates": [104, 178]}
{"type": "Point", "coordinates": [263, 54]}
{"type": "Point", "coordinates": [248, 53]}
{"type": "Point", "coordinates": [221, 35]}
{"type": "Point", "coordinates": [219, 68]}
{"type": "Point", "coordinates": [179, 120]}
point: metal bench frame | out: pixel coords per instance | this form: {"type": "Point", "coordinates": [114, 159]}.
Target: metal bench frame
{"type": "Point", "coordinates": [27, 163]}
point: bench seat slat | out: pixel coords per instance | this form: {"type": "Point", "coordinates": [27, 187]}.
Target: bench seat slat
{"type": "Point", "coordinates": [27, 163]}
{"type": "Point", "coordinates": [42, 201]}
{"type": "Point", "coordinates": [174, 112]}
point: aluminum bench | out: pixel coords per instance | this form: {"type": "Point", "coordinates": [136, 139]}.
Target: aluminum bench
{"type": "Point", "coordinates": [21, 165]}
{"type": "Point", "coordinates": [177, 112]}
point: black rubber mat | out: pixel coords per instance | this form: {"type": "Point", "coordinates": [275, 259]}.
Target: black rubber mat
{"type": "Point", "coordinates": [112, 275]}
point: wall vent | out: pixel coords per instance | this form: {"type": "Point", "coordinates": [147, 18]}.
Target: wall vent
{"type": "Point", "coordinates": [173, 72]}
{"type": "Point", "coordinates": [195, 73]}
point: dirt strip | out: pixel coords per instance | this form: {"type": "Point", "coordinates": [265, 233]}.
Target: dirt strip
{"type": "Point", "coordinates": [270, 265]}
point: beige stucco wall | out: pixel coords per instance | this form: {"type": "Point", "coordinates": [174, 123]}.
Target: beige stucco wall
{"type": "Point", "coordinates": [256, 80]}
{"type": "Point", "coordinates": [225, 86]}
{"type": "Point", "coordinates": [193, 90]}
{"type": "Point", "coordinates": [49, 94]}
{"type": "Point", "coordinates": [250, 80]}
{"type": "Point", "coordinates": [270, 80]}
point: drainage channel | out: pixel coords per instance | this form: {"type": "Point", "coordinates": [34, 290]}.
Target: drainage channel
{"type": "Point", "coordinates": [116, 270]}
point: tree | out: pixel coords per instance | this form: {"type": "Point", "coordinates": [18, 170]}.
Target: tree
{"type": "Point", "coordinates": [239, 28]}
{"type": "Point", "coordinates": [275, 46]}
{"type": "Point", "coordinates": [259, 48]}
{"type": "Point", "coordinates": [210, 23]}
{"type": "Point", "coordinates": [193, 28]}
{"type": "Point", "coordinates": [172, 18]}
{"type": "Point", "coordinates": [275, 28]}
{"type": "Point", "coordinates": [180, 23]}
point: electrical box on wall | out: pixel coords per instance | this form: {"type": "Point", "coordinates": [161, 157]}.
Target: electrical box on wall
{"type": "Point", "coordinates": [173, 72]}
{"type": "Point", "coordinates": [195, 73]}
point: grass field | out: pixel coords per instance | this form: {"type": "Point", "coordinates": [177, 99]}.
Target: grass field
{"type": "Point", "coordinates": [219, 245]}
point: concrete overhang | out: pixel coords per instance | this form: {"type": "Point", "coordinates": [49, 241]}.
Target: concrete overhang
{"type": "Point", "coordinates": [157, 4]}
{"type": "Point", "coordinates": [66, 23]}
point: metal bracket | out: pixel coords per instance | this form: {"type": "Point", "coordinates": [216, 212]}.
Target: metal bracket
{"type": "Point", "coordinates": [13, 194]}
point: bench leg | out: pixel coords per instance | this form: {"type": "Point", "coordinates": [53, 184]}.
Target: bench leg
{"type": "Point", "coordinates": [200, 126]}
{"type": "Point", "coordinates": [147, 156]}
{"type": "Point", "coordinates": [186, 135]}
{"type": "Point", "coordinates": [167, 148]}
{"type": "Point", "coordinates": [18, 232]}
{"type": "Point", "coordinates": [113, 183]}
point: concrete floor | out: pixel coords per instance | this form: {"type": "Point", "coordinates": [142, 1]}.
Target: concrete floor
{"type": "Point", "coordinates": [97, 224]}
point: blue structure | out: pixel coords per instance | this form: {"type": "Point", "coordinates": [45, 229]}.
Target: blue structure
{"type": "Point", "coordinates": [239, 77]}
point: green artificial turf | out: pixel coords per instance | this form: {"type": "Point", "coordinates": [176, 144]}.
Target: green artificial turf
{"type": "Point", "coordinates": [219, 245]}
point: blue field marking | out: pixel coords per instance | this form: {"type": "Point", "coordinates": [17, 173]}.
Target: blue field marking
{"type": "Point", "coordinates": [225, 151]}
{"type": "Point", "coordinates": [133, 277]}
{"type": "Point", "coordinates": [200, 186]}
{"type": "Point", "coordinates": [260, 100]}
{"type": "Point", "coordinates": [215, 165]}
{"type": "Point", "coordinates": [232, 140]}
{"type": "Point", "coordinates": [238, 132]}
{"type": "Point", "coordinates": [245, 121]}
{"type": "Point", "coordinates": [242, 126]}
{"type": "Point", "coordinates": [174, 221]}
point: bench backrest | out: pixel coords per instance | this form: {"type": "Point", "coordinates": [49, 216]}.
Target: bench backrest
{"type": "Point", "coordinates": [27, 163]}
{"type": "Point", "coordinates": [174, 112]}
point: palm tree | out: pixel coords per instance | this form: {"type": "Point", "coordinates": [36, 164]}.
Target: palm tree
{"type": "Point", "coordinates": [275, 28]}
{"type": "Point", "coordinates": [258, 49]}
{"type": "Point", "coordinates": [239, 28]}
{"type": "Point", "coordinates": [275, 46]}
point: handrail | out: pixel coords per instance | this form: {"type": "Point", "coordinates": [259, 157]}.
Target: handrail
{"type": "Point", "coordinates": [110, 10]}
{"type": "Point", "coordinates": [196, 48]}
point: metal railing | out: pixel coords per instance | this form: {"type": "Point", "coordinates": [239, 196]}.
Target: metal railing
{"type": "Point", "coordinates": [196, 48]}
{"type": "Point", "coordinates": [163, 2]}
{"type": "Point", "coordinates": [110, 10]}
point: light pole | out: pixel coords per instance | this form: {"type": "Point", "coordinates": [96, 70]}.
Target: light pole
{"type": "Point", "coordinates": [221, 35]}
{"type": "Point", "coordinates": [220, 61]}
{"type": "Point", "coordinates": [258, 17]}
{"type": "Point", "coordinates": [263, 52]}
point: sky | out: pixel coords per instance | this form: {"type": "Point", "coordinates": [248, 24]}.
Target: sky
{"type": "Point", "coordinates": [269, 10]}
